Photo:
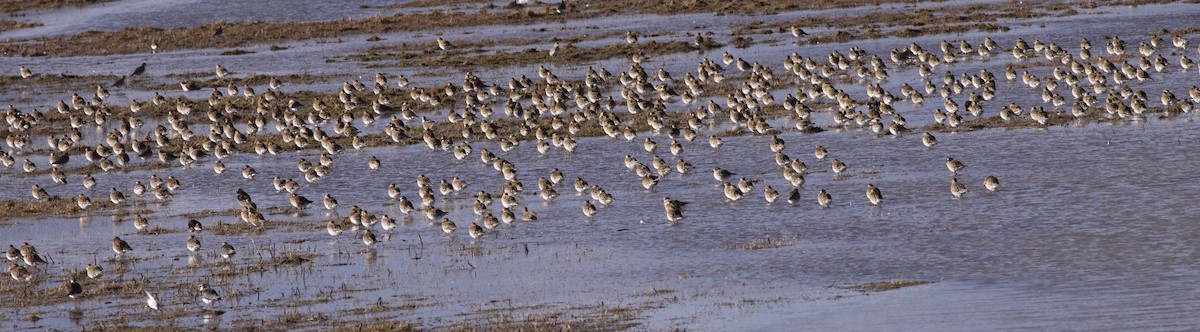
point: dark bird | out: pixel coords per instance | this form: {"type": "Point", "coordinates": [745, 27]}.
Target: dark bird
{"type": "Point", "coordinates": [74, 290]}
{"type": "Point", "coordinates": [139, 70]}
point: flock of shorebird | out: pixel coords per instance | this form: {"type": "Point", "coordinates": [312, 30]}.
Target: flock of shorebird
{"type": "Point", "coordinates": [553, 112]}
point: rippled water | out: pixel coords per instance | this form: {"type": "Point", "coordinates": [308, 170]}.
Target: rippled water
{"type": "Point", "coordinates": [1090, 230]}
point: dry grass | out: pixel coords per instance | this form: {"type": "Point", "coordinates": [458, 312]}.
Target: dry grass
{"type": "Point", "coordinates": [880, 286]}
{"type": "Point", "coordinates": [6, 25]}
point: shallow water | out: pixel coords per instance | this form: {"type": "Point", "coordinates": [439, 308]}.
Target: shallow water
{"type": "Point", "coordinates": [1090, 229]}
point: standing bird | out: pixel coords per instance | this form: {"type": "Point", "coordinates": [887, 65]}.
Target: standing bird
{"type": "Point", "coordinates": [333, 228]}
{"type": "Point", "coordinates": [373, 163]}
{"type": "Point", "coordinates": [674, 208]}
{"type": "Point", "coordinates": [193, 243]}
{"type": "Point", "coordinates": [299, 202]}
{"type": "Point", "coordinates": [820, 152]}
{"type": "Point", "coordinates": [119, 246]}
{"type": "Point", "coordinates": [19, 273]}
{"type": "Point", "coordinates": [330, 202]}
{"type": "Point", "coordinates": [207, 294]}
{"type": "Point", "coordinates": [838, 167]}
{"type": "Point", "coordinates": [248, 172]}
{"type": "Point", "coordinates": [798, 32]}
{"type": "Point", "coordinates": [873, 194]}
{"type": "Point", "coordinates": [991, 183]}
{"type": "Point", "coordinates": [221, 71]}
{"type": "Point", "coordinates": [475, 230]}
{"type": "Point", "coordinates": [12, 254]}
{"type": "Point", "coordinates": [589, 210]}
{"type": "Point", "coordinates": [793, 196]}
{"type": "Point", "coordinates": [227, 250]}
{"type": "Point", "coordinates": [448, 226]}
{"type": "Point", "coordinates": [770, 194]}
{"type": "Point", "coordinates": [93, 271]}
{"type": "Point", "coordinates": [368, 238]}
{"type": "Point", "coordinates": [139, 70]}
{"type": "Point", "coordinates": [954, 165]}
{"type": "Point", "coordinates": [443, 44]}
{"type": "Point", "coordinates": [194, 226]}
{"type": "Point", "coordinates": [554, 49]}
{"type": "Point", "coordinates": [74, 290]}
{"type": "Point", "coordinates": [928, 140]}
{"type": "Point", "coordinates": [25, 73]}
{"type": "Point", "coordinates": [957, 188]}
{"type": "Point", "coordinates": [824, 199]}
{"type": "Point", "coordinates": [116, 197]}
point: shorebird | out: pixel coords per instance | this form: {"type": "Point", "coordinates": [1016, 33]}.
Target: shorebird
{"type": "Point", "coordinates": [954, 165]}
{"type": "Point", "coordinates": [393, 190]}
{"type": "Point", "coordinates": [824, 199]}
{"type": "Point", "coordinates": [116, 197]}
{"type": "Point", "coordinates": [820, 152]}
{"type": "Point", "coordinates": [151, 301]}
{"type": "Point", "coordinates": [141, 223]}
{"type": "Point", "coordinates": [93, 271]}
{"type": "Point", "coordinates": [674, 209]}
{"type": "Point", "coordinates": [83, 201]}
{"type": "Point", "coordinates": [797, 31]}
{"type": "Point", "coordinates": [32, 258]}
{"type": "Point", "coordinates": [770, 194]}
{"type": "Point", "coordinates": [299, 202]}
{"type": "Point", "coordinates": [12, 254]}
{"type": "Point", "coordinates": [507, 216]}
{"type": "Point", "coordinates": [448, 226]}
{"type": "Point", "coordinates": [589, 210]}
{"type": "Point", "coordinates": [74, 290]}
{"type": "Point", "coordinates": [928, 140]}
{"type": "Point", "coordinates": [793, 196]}
{"type": "Point", "coordinates": [39, 193]}
{"type": "Point", "coordinates": [732, 192]}
{"type": "Point", "coordinates": [957, 188]}
{"type": "Point", "coordinates": [368, 238]}
{"type": "Point", "coordinates": [248, 172]}
{"type": "Point", "coordinates": [838, 167]}
{"type": "Point", "coordinates": [88, 181]}
{"type": "Point", "coordinates": [19, 273]}
{"type": "Point", "coordinates": [554, 49]}
{"type": "Point", "coordinates": [207, 294]}
{"type": "Point", "coordinates": [873, 194]}
{"type": "Point", "coordinates": [119, 246]}
{"type": "Point", "coordinates": [333, 228]}
{"type": "Point", "coordinates": [387, 223]}
{"type": "Point", "coordinates": [227, 250]}
{"type": "Point", "coordinates": [330, 202]}
{"type": "Point", "coordinates": [373, 163]}
{"type": "Point", "coordinates": [193, 243]}
{"type": "Point", "coordinates": [721, 174]}
{"type": "Point", "coordinates": [221, 71]}
{"type": "Point", "coordinates": [443, 44]}
{"type": "Point", "coordinates": [714, 141]}
{"type": "Point", "coordinates": [991, 183]}
{"type": "Point", "coordinates": [475, 230]}
{"type": "Point", "coordinates": [218, 167]}
{"type": "Point", "coordinates": [194, 226]}
{"type": "Point", "coordinates": [139, 70]}
{"type": "Point", "coordinates": [528, 215]}
{"type": "Point", "coordinates": [25, 72]}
